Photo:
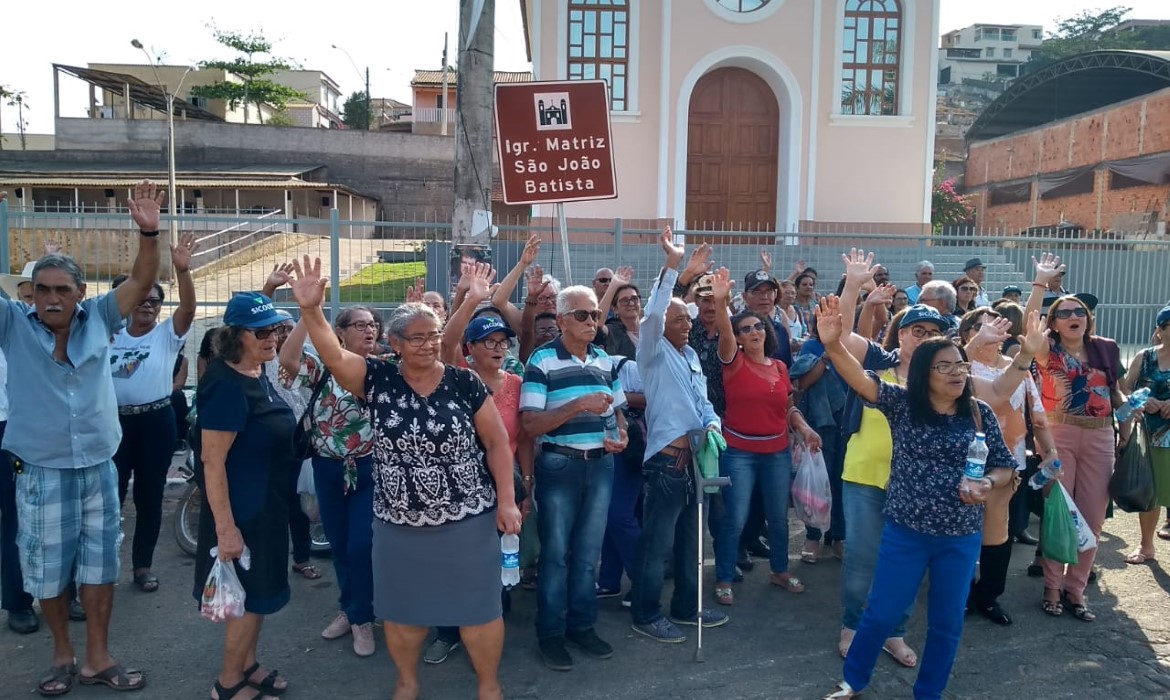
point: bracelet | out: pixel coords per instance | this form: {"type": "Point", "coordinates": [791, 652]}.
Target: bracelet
{"type": "Point", "coordinates": [149, 234]}
{"type": "Point", "coordinates": [1037, 284]}
{"type": "Point", "coordinates": [527, 478]}
{"type": "Point", "coordinates": [1022, 368]}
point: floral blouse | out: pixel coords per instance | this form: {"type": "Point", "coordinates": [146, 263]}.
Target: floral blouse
{"type": "Point", "coordinates": [923, 494]}
{"type": "Point", "coordinates": [429, 466]}
{"type": "Point", "coordinates": [1072, 387]}
{"type": "Point", "coordinates": [1159, 382]}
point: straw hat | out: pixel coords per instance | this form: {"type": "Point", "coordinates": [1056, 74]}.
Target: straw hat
{"type": "Point", "coordinates": [9, 283]}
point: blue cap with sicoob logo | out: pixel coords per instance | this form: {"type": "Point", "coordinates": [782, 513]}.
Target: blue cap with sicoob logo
{"type": "Point", "coordinates": [921, 313]}
{"type": "Point", "coordinates": [251, 310]}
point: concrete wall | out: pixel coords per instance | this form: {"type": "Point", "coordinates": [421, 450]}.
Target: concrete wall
{"type": "Point", "coordinates": [1137, 127]}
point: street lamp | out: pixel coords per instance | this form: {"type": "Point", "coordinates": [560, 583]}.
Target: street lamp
{"type": "Point", "coordinates": [369, 113]}
{"type": "Point", "coordinates": [170, 100]}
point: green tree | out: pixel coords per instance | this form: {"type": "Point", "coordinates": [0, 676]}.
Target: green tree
{"type": "Point", "coordinates": [1091, 30]}
{"type": "Point", "coordinates": [255, 88]}
{"type": "Point", "coordinates": [354, 113]}
{"type": "Point", "coordinates": [19, 100]}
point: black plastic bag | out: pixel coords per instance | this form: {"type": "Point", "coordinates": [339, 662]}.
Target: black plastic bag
{"type": "Point", "coordinates": [1132, 484]}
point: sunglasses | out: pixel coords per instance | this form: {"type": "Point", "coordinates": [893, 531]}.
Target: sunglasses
{"type": "Point", "coordinates": [952, 367]}
{"type": "Point", "coordinates": [632, 300]}
{"type": "Point", "coordinates": [150, 301]}
{"type": "Point", "coordinates": [969, 289]}
{"type": "Point", "coordinates": [1069, 313]}
{"type": "Point", "coordinates": [266, 333]}
{"type": "Point", "coordinates": [603, 280]}
{"type": "Point", "coordinates": [581, 315]}
{"type": "Point", "coordinates": [757, 326]}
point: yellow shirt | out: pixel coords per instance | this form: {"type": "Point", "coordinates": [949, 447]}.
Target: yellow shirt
{"type": "Point", "coordinates": [871, 448]}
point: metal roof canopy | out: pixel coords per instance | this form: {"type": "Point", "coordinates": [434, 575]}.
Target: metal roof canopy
{"type": "Point", "coordinates": [1072, 86]}
{"type": "Point", "coordinates": [142, 93]}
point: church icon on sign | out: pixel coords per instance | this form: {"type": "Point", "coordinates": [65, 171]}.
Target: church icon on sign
{"type": "Point", "coordinates": [553, 112]}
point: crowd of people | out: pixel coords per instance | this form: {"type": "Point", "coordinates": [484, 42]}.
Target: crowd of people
{"type": "Point", "coordinates": [570, 422]}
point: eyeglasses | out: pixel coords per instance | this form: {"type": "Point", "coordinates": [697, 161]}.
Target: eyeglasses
{"type": "Point", "coordinates": [968, 289]}
{"type": "Point", "coordinates": [150, 301]}
{"type": "Point", "coordinates": [681, 320]}
{"type": "Point", "coordinates": [1079, 312]}
{"type": "Point", "coordinates": [496, 344]}
{"type": "Point", "coordinates": [603, 280]}
{"type": "Point", "coordinates": [362, 326]}
{"type": "Point", "coordinates": [546, 298]}
{"type": "Point", "coordinates": [920, 332]}
{"type": "Point", "coordinates": [952, 367]}
{"type": "Point", "coordinates": [546, 331]}
{"type": "Point", "coordinates": [417, 341]}
{"type": "Point", "coordinates": [632, 300]}
{"type": "Point", "coordinates": [266, 333]}
{"type": "Point", "coordinates": [744, 330]}
{"type": "Point", "coordinates": [581, 315]}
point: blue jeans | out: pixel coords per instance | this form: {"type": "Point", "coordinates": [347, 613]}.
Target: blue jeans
{"type": "Point", "coordinates": [12, 595]}
{"type": "Point", "coordinates": [348, 522]}
{"type": "Point", "coordinates": [863, 527]}
{"type": "Point", "coordinates": [774, 474]}
{"type": "Point", "coordinates": [833, 450]}
{"type": "Point", "coordinates": [905, 558]}
{"type": "Point", "coordinates": [574, 503]}
{"type": "Point", "coordinates": [670, 522]}
{"type": "Point", "coordinates": [620, 548]}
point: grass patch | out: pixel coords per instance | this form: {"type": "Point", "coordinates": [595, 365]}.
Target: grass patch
{"type": "Point", "coordinates": [381, 282]}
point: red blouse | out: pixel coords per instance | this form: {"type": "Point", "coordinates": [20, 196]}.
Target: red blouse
{"type": "Point", "coordinates": [756, 419]}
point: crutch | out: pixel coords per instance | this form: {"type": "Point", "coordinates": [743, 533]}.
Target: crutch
{"type": "Point", "coordinates": [697, 439]}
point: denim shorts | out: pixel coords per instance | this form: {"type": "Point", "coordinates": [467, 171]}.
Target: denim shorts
{"type": "Point", "coordinates": [69, 526]}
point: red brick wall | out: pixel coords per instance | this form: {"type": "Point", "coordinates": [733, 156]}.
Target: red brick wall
{"type": "Point", "coordinates": [1137, 127]}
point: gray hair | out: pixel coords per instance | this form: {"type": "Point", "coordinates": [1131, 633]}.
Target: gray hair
{"type": "Point", "coordinates": [939, 289]}
{"type": "Point", "coordinates": [569, 293]}
{"type": "Point", "coordinates": [924, 265]}
{"type": "Point", "coordinates": [407, 314]}
{"type": "Point", "coordinates": [56, 261]}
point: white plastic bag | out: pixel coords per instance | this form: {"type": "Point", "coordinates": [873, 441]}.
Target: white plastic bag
{"type": "Point", "coordinates": [811, 495]}
{"type": "Point", "coordinates": [307, 491]}
{"type": "Point", "coordinates": [1085, 538]}
{"type": "Point", "coordinates": [223, 594]}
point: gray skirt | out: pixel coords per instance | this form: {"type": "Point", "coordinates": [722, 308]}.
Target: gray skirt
{"type": "Point", "coordinates": [438, 576]}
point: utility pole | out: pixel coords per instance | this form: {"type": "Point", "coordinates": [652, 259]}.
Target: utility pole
{"type": "Point", "coordinates": [473, 115]}
{"type": "Point", "coordinates": [443, 109]}
{"type": "Point", "coordinates": [369, 112]}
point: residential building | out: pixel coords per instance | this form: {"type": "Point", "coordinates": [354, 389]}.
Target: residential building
{"type": "Point", "coordinates": [431, 107]}
{"type": "Point", "coordinates": [321, 106]}
{"type": "Point", "coordinates": [992, 53]}
{"type": "Point", "coordinates": [765, 115]}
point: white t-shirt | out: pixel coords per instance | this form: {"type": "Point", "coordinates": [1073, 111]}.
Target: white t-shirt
{"type": "Point", "coordinates": [143, 366]}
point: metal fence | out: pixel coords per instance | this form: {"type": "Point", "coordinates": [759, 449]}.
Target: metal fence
{"type": "Point", "coordinates": [372, 262]}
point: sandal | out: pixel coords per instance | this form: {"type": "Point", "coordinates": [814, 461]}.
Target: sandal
{"type": "Point", "coordinates": [115, 678]}
{"type": "Point", "coordinates": [808, 557]}
{"type": "Point", "coordinates": [268, 685]}
{"type": "Point", "coordinates": [724, 595]}
{"type": "Point", "coordinates": [57, 675]}
{"type": "Point", "coordinates": [906, 657]}
{"type": "Point", "coordinates": [147, 583]}
{"type": "Point", "coordinates": [788, 582]}
{"type": "Point", "coordinates": [307, 570]}
{"type": "Point", "coordinates": [1164, 531]}
{"type": "Point", "coordinates": [222, 693]}
{"type": "Point", "coordinates": [845, 641]}
{"type": "Point", "coordinates": [1051, 607]}
{"type": "Point", "coordinates": [1079, 610]}
{"type": "Point", "coordinates": [1137, 556]}
{"type": "Point", "coordinates": [843, 691]}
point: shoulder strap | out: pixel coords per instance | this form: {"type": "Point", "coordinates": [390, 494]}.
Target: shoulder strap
{"type": "Point", "coordinates": [977, 416]}
{"type": "Point", "coordinates": [325, 374]}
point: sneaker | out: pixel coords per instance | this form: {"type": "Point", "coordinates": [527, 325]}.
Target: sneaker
{"type": "Point", "coordinates": [76, 611]}
{"type": "Point", "coordinates": [711, 618]}
{"type": "Point", "coordinates": [628, 599]}
{"type": "Point", "coordinates": [660, 630]}
{"type": "Point", "coordinates": [338, 628]}
{"type": "Point", "coordinates": [555, 655]}
{"type": "Point", "coordinates": [363, 639]}
{"type": "Point", "coordinates": [588, 640]}
{"type": "Point", "coordinates": [608, 592]}
{"type": "Point", "coordinates": [439, 650]}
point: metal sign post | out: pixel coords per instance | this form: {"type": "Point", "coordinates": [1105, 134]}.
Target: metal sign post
{"type": "Point", "coordinates": [563, 225]}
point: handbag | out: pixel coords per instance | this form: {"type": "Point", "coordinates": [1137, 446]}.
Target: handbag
{"type": "Point", "coordinates": [1132, 485]}
{"type": "Point", "coordinates": [302, 436]}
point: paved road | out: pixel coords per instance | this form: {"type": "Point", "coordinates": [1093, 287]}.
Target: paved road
{"type": "Point", "coordinates": [778, 645]}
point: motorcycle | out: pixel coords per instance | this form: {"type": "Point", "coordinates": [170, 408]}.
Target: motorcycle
{"type": "Point", "coordinates": [186, 518]}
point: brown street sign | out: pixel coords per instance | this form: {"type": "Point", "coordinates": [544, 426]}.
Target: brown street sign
{"type": "Point", "coordinates": [553, 140]}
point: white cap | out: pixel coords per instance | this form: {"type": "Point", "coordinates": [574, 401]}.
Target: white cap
{"type": "Point", "coordinates": [9, 283]}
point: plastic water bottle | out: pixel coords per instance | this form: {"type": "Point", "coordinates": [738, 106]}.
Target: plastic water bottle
{"type": "Point", "coordinates": [976, 464]}
{"type": "Point", "coordinates": [510, 560]}
{"type": "Point", "coordinates": [611, 427]}
{"type": "Point", "coordinates": [1047, 473]}
{"type": "Point", "coordinates": [1133, 404]}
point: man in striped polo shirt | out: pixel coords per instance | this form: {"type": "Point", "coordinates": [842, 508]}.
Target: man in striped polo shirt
{"type": "Point", "coordinates": [571, 392]}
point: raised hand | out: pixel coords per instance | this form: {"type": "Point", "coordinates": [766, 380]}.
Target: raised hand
{"type": "Point", "coordinates": [674, 251]}
{"type": "Point", "coordinates": [414, 293]}
{"type": "Point", "coordinates": [535, 283]}
{"type": "Point", "coordinates": [766, 260]}
{"type": "Point", "coordinates": [800, 266]}
{"type": "Point", "coordinates": [146, 205]}
{"type": "Point", "coordinates": [623, 276]}
{"type": "Point", "coordinates": [1034, 337]}
{"type": "Point", "coordinates": [52, 248]}
{"type": "Point", "coordinates": [308, 286]}
{"type": "Point", "coordinates": [182, 253]}
{"type": "Point", "coordinates": [858, 266]}
{"type": "Point", "coordinates": [465, 270]}
{"type": "Point", "coordinates": [1048, 268]}
{"type": "Point", "coordinates": [722, 284]}
{"type": "Point", "coordinates": [829, 324]}
{"type": "Point", "coordinates": [992, 331]}
{"type": "Point", "coordinates": [531, 250]}
{"type": "Point", "coordinates": [479, 281]}
{"type": "Point", "coordinates": [280, 275]}
{"type": "Point", "coordinates": [882, 294]}
{"type": "Point", "coordinates": [700, 262]}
